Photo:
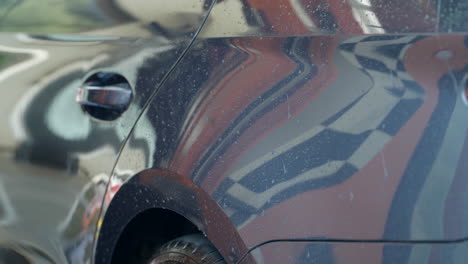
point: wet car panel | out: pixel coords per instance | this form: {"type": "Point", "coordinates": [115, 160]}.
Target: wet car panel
{"type": "Point", "coordinates": [356, 252]}
{"type": "Point", "coordinates": [349, 17]}
{"type": "Point", "coordinates": [347, 117]}
{"type": "Point", "coordinates": [336, 137]}
{"type": "Point", "coordinates": [56, 159]}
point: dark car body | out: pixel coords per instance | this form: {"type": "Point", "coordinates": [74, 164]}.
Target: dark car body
{"type": "Point", "coordinates": [285, 131]}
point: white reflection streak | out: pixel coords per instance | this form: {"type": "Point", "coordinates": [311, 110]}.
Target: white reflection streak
{"type": "Point", "coordinates": [362, 12]}
{"type": "Point", "coordinates": [298, 7]}
{"type": "Point", "coordinates": [38, 56]}
{"type": "Point", "coordinates": [31, 93]}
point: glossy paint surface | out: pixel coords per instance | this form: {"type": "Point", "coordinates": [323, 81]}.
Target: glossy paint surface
{"type": "Point", "coordinates": [55, 159]}
{"type": "Point", "coordinates": [119, 18]}
{"type": "Point", "coordinates": [233, 18]}
{"type": "Point", "coordinates": [355, 253]}
{"type": "Point", "coordinates": [319, 137]}
{"type": "Point", "coordinates": [331, 134]}
{"type": "Point", "coordinates": [301, 119]}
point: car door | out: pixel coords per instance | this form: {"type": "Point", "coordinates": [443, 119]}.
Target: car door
{"type": "Point", "coordinates": [74, 77]}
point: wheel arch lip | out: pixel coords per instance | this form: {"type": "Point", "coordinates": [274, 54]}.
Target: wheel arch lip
{"type": "Point", "coordinates": [167, 190]}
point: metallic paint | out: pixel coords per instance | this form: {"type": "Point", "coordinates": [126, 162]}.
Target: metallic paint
{"type": "Point", "coordinates": [56, 160]}
{"type": "Point", "coordinates": [287, 131]}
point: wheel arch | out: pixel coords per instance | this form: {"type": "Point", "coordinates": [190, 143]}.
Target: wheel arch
{"type": "Point", "coordinates": [162, 197]}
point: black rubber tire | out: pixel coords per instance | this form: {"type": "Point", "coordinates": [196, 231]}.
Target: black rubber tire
{"type": "Point", "coordinates": [189, 249]}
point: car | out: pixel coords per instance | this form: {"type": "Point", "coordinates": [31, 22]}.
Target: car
{"type": "Point", "coordinates": [228, 131]}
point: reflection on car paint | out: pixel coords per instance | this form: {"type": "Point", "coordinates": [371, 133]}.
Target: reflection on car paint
{"type": "Point", "coordinates": [303, 252]}
{"type": "Point", "coordinates": [232, 18]}
{"type": "Point", "coordinates": [56, 160]}
{"type": "Point", "coordinates": [286, 120]}
{"type": "Point", "coordinates": [367, 166]}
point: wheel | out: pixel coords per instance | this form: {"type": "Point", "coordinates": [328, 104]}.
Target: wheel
{"type": "Point", "coordinates": [189, 249]}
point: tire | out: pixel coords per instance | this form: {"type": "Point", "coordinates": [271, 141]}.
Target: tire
{"type": "Point", "coordinates": [189, 249]}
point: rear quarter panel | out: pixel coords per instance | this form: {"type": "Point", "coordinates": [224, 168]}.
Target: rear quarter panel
{"type": "Point", "coordinates": [344, 124]}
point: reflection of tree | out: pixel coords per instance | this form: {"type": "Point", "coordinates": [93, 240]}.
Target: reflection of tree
{"type": "Point", "coordinates": [112, 10]}
{"type": "Point", "coordinates": [4, 59]}
{"type": "Point", "coordinates": [58, 16]}
{"type": "Point", "coordinates": [7, 59]}
{"type": "Point", "coordinates": [6, 6]}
